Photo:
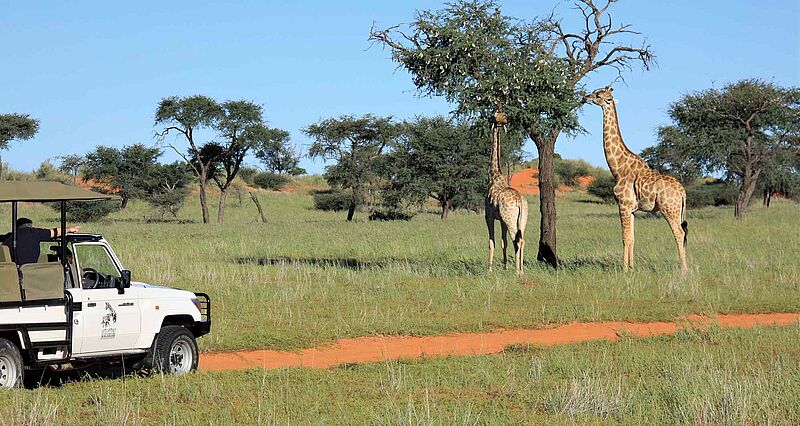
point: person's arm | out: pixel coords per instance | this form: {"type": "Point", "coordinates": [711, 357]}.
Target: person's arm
{"type": "Point", "coordinates": [56, 232]}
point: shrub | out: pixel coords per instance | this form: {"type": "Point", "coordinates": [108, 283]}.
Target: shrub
{"type": "Point", "coordinates": [386, 215]}
{"type": "Point", "coordinates": [271, 181]}
{"type": "Point", "coordinates": [88, 211]}
{"type": "Point", "coordinates": [715, 193]}
{"type": "Point", "coordinates": [569, 171]}
{"type": "Point", "coordinates": [170, 201]}
{"type": "Point", "coordinates": [603, 188]}
{"type": "Point", "coordinates": [247, 174]}
{"type": "Point", "coordinates": [332, 200]}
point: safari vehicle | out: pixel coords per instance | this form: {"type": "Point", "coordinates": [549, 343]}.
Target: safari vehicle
{"type": "Point", "coordinates": [82, 310]}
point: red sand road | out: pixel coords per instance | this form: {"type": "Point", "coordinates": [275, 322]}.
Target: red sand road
{"type": "Point", "coordinates": [373, 349]}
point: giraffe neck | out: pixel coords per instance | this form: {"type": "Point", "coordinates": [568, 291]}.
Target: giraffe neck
{"type": "Point", "coordinates": [617, 154]}
{"type": "Point", "coordinates": [495, 173]}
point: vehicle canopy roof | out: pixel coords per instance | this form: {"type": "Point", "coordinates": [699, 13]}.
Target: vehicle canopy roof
{"type": "Point", "coordinates": [40, 191]}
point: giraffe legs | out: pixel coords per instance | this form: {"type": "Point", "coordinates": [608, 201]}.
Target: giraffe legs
{"type": "Point", "coordinates": [490, 227]}
{"type": "Point", "coordinates": [626, 218]}
{"type": "Point", "coordinates": [677, 231]}
{"type": "Point", "coordinates": [504, 232]}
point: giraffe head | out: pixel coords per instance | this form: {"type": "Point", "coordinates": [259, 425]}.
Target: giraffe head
{"type": "Point", "coordinates": [602, 97]}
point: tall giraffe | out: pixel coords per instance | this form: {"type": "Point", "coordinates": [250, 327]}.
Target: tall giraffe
{"type": "Point", "coordinates": [505, 204]}
{"type": "Point", "coordinates": [638, 187]}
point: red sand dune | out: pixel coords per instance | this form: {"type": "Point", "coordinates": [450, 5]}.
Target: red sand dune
{"type": "Point", "coordinates": [526, 182]}
{"type": "Point", "coordinates": [380, 348]}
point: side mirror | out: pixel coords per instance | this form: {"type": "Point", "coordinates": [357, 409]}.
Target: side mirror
{"type": "Point", "coordinates": [126, 278]}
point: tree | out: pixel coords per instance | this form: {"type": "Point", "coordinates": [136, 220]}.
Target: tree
{"type": "Point", "coordinates": [276, 154]}
{"type": "Point", "coordinates": [482, 61]}
{"type": "Point", "coordinates": [781, 176]}
{"type": "Point", "coordinates": [739, 131]}
{"type": "Point", "coordinates": [185, 116]}
{"type": "Point", "coordinates": [167, 187]}
{"type": "Point", "coordinates": [124, 171]}
{"type": "Point", "coordinates": [240, 126]}
{"type": "Point", "coordinates": [72, 165]}
{"type": "Point", "coordinates": [15, 127]}
{"type": "Point", "coordinates": [440, 159]}
{"type": "Point", "coordinates": [356, 145]}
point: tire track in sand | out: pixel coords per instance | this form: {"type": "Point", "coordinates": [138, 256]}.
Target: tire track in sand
{"type": "Point", "coordinates": [379, 348]}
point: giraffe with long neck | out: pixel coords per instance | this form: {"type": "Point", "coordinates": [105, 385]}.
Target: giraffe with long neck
{"type": "Point", "coordinates": [638, 187]}
{"type": "Point", "coordinates": [505, 204]}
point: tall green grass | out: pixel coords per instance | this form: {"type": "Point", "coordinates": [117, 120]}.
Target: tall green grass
{"type": "Point", "coordinates": [308, 277]}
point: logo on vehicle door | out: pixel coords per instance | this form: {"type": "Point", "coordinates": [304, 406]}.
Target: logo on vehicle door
{"type": "Point", "coordinates": [108, 319]}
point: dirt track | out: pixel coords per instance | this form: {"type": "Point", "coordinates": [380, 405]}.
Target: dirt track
{"type": "Point", "coordinates": [373, 349]}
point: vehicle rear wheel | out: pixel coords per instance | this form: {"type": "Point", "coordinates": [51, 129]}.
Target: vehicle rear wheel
{"type": "Point", "coordinates": [10, 365]}
{"type": "Point", "coordinates": [175, 351]}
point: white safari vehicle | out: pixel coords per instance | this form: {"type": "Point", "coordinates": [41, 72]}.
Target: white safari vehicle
{"type": "Point", "coordinates": [82, 310]}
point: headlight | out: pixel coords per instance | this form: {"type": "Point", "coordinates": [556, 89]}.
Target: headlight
{"type": "Point", "coordinates": [197, 305]}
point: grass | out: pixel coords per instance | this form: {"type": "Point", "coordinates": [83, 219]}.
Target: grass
{"type": "Point", "coordinates": [308, 277]}
{"type": "Point", "coordinates": [715, 376]}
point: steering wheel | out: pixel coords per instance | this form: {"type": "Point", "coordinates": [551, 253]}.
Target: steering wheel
{"type": "Point", "coordinates": [91, 273]}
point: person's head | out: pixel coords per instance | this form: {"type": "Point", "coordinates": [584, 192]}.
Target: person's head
{"type": "Point", "coordinates": [24, 222]}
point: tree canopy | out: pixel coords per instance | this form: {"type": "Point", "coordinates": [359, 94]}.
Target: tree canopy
{"type": "Point", "coordinates": [126, 171]}
{"type": "Point", "coordinates": [274, 151]}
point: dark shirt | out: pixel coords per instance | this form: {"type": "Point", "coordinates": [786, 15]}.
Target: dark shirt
{"type": "Point", "coordinates": [28, 240]}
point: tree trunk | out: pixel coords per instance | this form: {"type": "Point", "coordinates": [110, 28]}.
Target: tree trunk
{"type": "Point", "coordinates": [203, 196]}
{"type": "Point", "coordinates": [445, 208]}
{"type": "Point", "coordinates": [746, 191]}
{"type": "Point", "coordinates": [223, 195]}
{"type": "Point", "coordinates": [258, 206]}
{"type": "Point", "coordinates": [124, 203]}
{"type": "Point", "coordinates": [547, 196]}
{"type": "Point", "coordinates": [767, 197]}
{"type": "Point", "coordinates": [351, 211]}
{"type": "Point", "coordinates": [1, 167]}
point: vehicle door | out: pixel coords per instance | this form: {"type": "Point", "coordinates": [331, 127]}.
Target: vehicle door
{"type": "Point", "coordinates": [111, 321]}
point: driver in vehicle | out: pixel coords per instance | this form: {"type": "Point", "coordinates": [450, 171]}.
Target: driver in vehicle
{"type": "Point", "coordinates": [30, 238]}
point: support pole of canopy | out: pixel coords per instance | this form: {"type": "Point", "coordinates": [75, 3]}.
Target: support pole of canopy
{"type": "Point", "coordinates": [14, 231]}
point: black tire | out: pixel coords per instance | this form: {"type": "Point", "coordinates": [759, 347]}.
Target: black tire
{"type": "Point", "coordinates": [171, 348]}
{"type": "Point", "coordinates": [11, 367]}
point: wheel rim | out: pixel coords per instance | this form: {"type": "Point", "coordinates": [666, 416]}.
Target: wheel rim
{"type": "Point", "coordinates": [181, 357]}
{"type": "Point", "coordinates": [8, 372]}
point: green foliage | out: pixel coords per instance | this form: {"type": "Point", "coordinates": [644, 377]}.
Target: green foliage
{"type": "Point", "coordinates": [47, 171]}
{"type": "Point", "coordinates": [390, 215]}
{"type": "Point", "coordinates": [671, 156]}
{"type": "Point", "coordinates": [274, 152]}
{"type": "Point", "coordinates": [356, 145]}
{"type": "Point", "coordinates": [247, 174]}
{"type": "Point", "coordinates": [332, 200]}
{"type": "Point", "coordinates": [124, 171]}
{"type": "Point", "coordinates": [712, 193]}
{"type": "Point", "coordinates": [16, 127]}
{"type": "Point", "coordinates": [568, 171]}
{"type": "Point", "coordinates": [603, 187]}
{"type": "Point", "coordinates": [271, 181]}
{"type": "Point", "coordinates": [89, 211]}
{"type": "Point", "coordinates": [72, 165]}
{"type": "Point", "coordinates": [167, 188]}
{"type": "Point", "coordinates": [738, 131]}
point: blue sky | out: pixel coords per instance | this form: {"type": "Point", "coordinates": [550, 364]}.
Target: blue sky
{"type": "Point", "coordinates": [93, 72]}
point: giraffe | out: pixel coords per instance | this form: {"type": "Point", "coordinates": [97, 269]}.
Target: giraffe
{"type": "Point", "coordinates": [505, 204]}
{"type": "Point", "coordinates": [638, 187]}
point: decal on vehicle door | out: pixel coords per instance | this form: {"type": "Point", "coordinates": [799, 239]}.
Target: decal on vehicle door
{"type": "Point", "coordinates": [106, 322]}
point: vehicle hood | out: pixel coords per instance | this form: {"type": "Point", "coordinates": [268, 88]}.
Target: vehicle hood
{"type": "Point", "coordinates": [150, 291]}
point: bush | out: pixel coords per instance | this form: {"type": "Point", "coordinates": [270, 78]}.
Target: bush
{"type": "Point", "coordinates": [332, 200]}
{"type": "Point", "coordinates": [271, 181]}
{"type": "Point", "coordinates": [568, 171]}
{"type": "Point", "coordinates": [168, 202]}
{"type": "Point", "coordinates": [247, 174]}
{"type": "Point", "coordinates": [88, 211]}
{"type": "Point", "coordinates": [389, 215]}
{"type": "Point", "coordinates": [603, 188]}
{"type": "Point", "coordinates": [715, 193]}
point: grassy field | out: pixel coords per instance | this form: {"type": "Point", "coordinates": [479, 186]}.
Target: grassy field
{"type": "Point", "coordinates": [728, 377]}
{"type": "Point", "coordinates": [308, 277]}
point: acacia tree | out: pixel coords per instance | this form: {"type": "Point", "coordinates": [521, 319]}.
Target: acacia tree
{"type": "Point", "coordinates": [276, 154]}
{"type": "Point", "coordinates": [670, 156]}
{"type": "Point", "coordinates": [477, 58]}
{"type": "Point", "coordinates": [125, 171]}
{"type": "Point", "coordinates": [739, 131]}
{"type": "Point", "coordinates": [440, 159]}
{"type": "Point", "coordinates": [19, 127]}
{"type": "Point", "coordinates": [185, 116]}
{"type": "Point", "coordinates": [356, 145]}
{"type": "Point", "coordinates": [240, 126]}
{"type": "Point", "coordinates": [72, 165]}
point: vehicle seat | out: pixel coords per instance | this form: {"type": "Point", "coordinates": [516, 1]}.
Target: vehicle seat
{"type": "Point", "coordinates": [9, 282]}
{"type": "Point", "coordinates": [5, 254]}
{"type": "Point", "coordinates": [43, 281]}
{"type": "Point", "coordinates": [43, 258]}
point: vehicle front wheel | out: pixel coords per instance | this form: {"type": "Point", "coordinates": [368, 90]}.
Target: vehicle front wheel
{"type": "Point", "coordinates": [10, 365]}
{"type": "Point", "coordinates": [175, 351]}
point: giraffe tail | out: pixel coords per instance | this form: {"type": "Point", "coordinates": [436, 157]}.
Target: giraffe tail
{"type": "Point", "coordinates": [684, 224]}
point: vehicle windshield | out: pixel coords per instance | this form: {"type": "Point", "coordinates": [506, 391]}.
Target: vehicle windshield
{"type": "Point", "coordinates": [97, 268]}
